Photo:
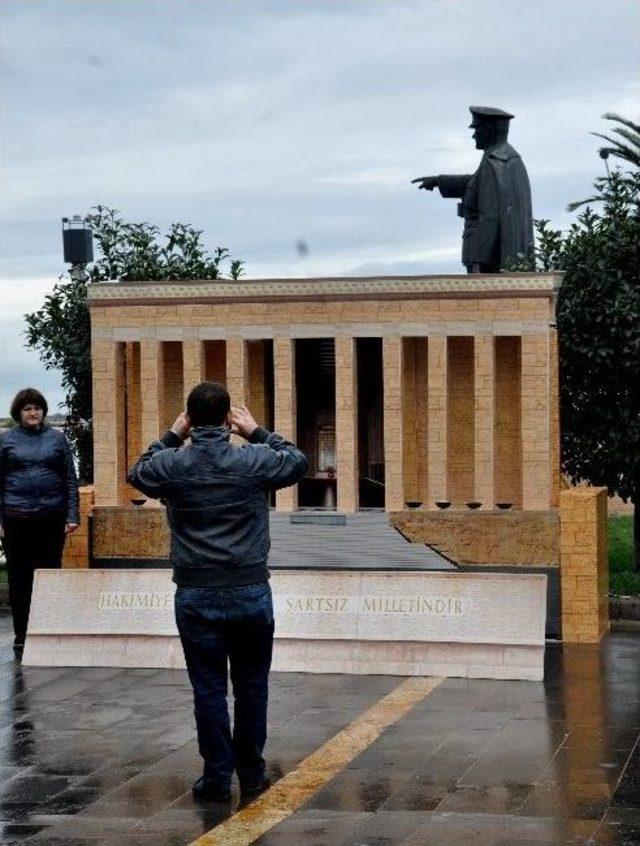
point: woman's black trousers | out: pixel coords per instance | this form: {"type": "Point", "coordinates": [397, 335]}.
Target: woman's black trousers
{"type": "Point", "coordinates": [30, 543]}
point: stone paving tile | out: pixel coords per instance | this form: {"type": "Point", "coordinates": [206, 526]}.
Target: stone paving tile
{"type": "Point", "coordinates": [32, 787]}
{"type": "Point", "coordinates": [21, 835]}
{"type": "Point", "coordinates": [313, 828]}
{"type": "Point", "coordinates": [76, 825]}
{"type": "Point", "coordinates": [358, 790]}
{"type": "Point", "coordinates": [579, 801]}
{"type": "Point", "coordinates": [12, 833]}
{"type": "Point", "coordinates": [386, 828]}
{"type": "Point", "coordinates": [486, 800]}
{"type": "Point", "coordinates": [447, 829]}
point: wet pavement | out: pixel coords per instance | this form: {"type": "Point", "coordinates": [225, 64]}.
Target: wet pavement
{"type": "Point", "coordinates": [99, 757]}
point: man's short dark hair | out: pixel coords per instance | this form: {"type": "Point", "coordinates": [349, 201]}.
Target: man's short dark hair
{"type": "Point", "coordinates": [28, 396]}
{"type": "Point", "coordinates": [208, 404]}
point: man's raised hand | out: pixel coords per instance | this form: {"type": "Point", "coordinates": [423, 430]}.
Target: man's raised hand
{"type": "Point", "coordinates": [241, 421]}
{"type": "Point", "coordinates": [182, 426]}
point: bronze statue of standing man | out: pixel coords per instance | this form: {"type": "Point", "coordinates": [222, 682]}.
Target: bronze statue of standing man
{"type": "Point", "coordinates": [496, 199]}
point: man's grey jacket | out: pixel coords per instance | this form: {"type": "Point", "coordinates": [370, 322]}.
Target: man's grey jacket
{"type": "Point", "coordinates": [216, 495]}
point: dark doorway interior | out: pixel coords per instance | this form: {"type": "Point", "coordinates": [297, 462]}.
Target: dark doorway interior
{"type": "Point", "coordinates": [370, 422]}
{"type": "Point", "coordinates": [316, 406]}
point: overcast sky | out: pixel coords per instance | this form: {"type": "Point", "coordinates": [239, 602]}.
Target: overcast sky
{"type": "Point", "coordinates": [267, 122]}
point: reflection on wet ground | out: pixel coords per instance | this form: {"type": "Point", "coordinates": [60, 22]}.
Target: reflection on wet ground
{"type": "Point", "coordinates": [101, 757]}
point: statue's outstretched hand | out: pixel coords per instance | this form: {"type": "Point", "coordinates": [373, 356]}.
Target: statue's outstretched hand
{"type": "Point", "coordinates": [427, 182]}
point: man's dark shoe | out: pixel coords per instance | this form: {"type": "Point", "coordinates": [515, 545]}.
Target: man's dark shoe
{"type": "Point", "coordinates": [254, 787]}
{"type": "Point", "coordinates": [209, 790]}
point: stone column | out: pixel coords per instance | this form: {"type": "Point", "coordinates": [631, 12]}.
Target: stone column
{"type": "Point", "coordinates": [410, 421]}
{"type": "Point", "coordinates": [484, 385]}
{"type": "Point", "coordinates": [554, 417]}
{"type": "Point", "coordinates": [238, 376]}
{"type": "Point", "coordinates": [109, 450]}
{"type": "Point", "coordinates": [393, 426]}
{"type": "Point", "coordinates": [347, 424]}
{"type": "Point", "coordinates": [237, 371]}
{"type": "Point", "coordinates": [192, 365]}
{"type": "Point", "coordinates": [151, 390]}
{"type": "Point", "coordinates": [536, 476]}
{"type": "Point", "coordinates": [284, 371]}
{"type": "Point", "coordinates": [584, 565]}
{"type": "Point", "coordinates": [437, 415]}
{"type": "Point", "coordinates": [76, 548]}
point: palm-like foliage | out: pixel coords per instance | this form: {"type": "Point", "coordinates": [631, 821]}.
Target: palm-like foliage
{"type": "Point", "coordinates": [629, 148]}
{"type": "Point", "coordinates": [625, 147]}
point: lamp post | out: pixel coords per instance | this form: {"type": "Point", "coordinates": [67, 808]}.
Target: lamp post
{"type": "Point", "coordinates": [77, 240]}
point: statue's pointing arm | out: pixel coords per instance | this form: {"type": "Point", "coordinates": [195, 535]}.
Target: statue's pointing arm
{"type": "Point", "coordinates": [449, 186]}
{"type": "Point", "coordinates": [453, 186]}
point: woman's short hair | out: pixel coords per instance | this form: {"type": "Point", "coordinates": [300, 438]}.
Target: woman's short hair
{"type": "Point", "coordinates": [208, 404]}
{"type": "Point", "coordinates": [28, 396]}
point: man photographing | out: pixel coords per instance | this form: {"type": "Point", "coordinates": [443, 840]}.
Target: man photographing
{"type": "Point", "coordinates": [216, 496]}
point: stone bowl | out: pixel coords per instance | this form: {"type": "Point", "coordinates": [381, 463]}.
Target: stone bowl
{"type": "Point", "coordinates": [443, 503]}
{"type": "Point", "coordinates": [504, 506]}
{"type": "Point", "coordinates": [137, 501]}
{"type": "Point", "coordinates": [413, 503]}
{"type": "Point", "coordinates": [474, 505]}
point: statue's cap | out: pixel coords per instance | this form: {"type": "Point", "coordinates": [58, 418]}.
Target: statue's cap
{"type": "Point", "coordinates": [482, 114]}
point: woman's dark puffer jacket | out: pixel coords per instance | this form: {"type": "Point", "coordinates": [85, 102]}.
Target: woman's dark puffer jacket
{"type": "Point", "coordinates": [37, 472]}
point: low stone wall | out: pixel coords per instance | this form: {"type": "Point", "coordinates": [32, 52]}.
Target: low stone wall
{"type": "Point", "coordinates": [528, 539]}
{"type": "Point", "coordinates": [509, 538]}
{"type": "Point", "coordinates": [130, 531]}
{"type": "Point", "coordinates": [383, 622]}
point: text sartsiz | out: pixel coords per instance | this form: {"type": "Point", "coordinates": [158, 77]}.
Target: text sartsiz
{"type": "Point", "coordinates": [443, 606]}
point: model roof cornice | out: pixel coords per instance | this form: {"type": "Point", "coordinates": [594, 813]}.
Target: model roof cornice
{"type": "Point", "coordinates": [350, 287]}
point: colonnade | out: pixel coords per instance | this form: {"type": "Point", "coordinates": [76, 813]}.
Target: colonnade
{"type": "Point", "coordinates": [464, 417]}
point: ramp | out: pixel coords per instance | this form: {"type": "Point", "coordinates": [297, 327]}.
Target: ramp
{"type": "Point", "coordinates": [324, 540]}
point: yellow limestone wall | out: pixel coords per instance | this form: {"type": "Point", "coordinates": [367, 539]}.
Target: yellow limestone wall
{"type": "Point", "coordinates": [584, 567]}
{"type": "Point", "coordinates": [76, 548]}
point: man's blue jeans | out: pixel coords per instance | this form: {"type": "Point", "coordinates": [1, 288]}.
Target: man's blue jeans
{"type": "Point", "coordinates": [231, 625]}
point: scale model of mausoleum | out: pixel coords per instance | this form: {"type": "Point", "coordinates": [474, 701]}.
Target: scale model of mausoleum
{"type": "Point", "coordinates": [413, 389]}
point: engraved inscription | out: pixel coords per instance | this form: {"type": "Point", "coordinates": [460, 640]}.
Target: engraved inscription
{"type": "Point", "coordinates": [134, 600]}
{"type": "Point", "coordinates": [307, 604]}
{"type": "Point", "coordinates": [441, 606]}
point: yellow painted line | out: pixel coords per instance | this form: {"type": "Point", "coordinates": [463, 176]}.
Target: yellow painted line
{"type": "Point", "coordinates": [293, 790]}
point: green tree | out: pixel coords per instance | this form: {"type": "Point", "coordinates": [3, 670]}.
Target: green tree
{"type": "Point", "coordinates": [598, 318]}
{"type": "Point", "coordinates": [60, 330]}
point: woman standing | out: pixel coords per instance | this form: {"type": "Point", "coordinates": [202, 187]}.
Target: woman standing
{"type": "Point", "coordinates": [38, 500]}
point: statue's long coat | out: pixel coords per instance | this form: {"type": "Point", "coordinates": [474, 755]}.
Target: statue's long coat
{"type": "Point", "coordinates": [496, 206]}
